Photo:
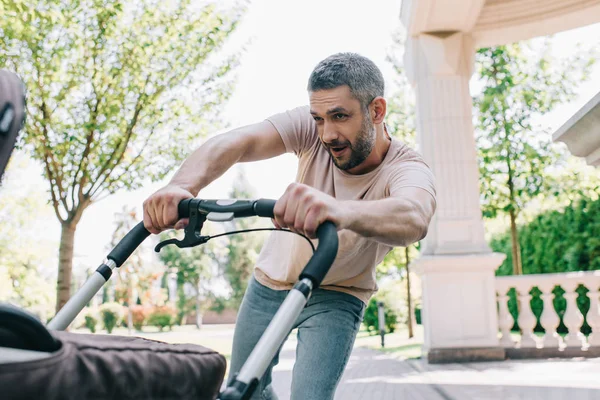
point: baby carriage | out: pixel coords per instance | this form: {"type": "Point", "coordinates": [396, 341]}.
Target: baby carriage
{"type": "Point", "coordinates": [38, 361]}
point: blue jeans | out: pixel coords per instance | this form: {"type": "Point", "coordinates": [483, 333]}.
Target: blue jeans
{"type": "Point", "coordinates": [327, 328]}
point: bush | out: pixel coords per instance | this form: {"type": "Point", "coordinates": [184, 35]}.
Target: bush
{"type": "Point", "coordinates": [162, 316]}
{"type": "Point", "coordinates": [111, 314]}
{"type": "Point", "coordinates": [138, 315]}
{"type": "Point", "coordinates": [90, 322]}
{"type": "Point", "coordinates": [371, 317]}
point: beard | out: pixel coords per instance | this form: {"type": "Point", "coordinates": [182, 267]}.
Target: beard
{"type": "Point", "coordinates": [359, 151]}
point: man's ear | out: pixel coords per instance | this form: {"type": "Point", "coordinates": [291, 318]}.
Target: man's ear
{"type": "Point", "coordinates": [378, 108]}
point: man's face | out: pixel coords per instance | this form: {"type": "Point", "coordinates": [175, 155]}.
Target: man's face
{"type": "Point", "coordinates": [345, 129]}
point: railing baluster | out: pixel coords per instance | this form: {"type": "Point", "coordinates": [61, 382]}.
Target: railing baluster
{"type": "Point", "coordinates": [549, 318]}
{"type": "Point", "coordinates": [527, 320]}
{"type": "Point", "coordinates": [505, 319]}
{"type": "Point", "coordinates": [573, 319]}
{"type": "Point", "coordinates": [593, 315]}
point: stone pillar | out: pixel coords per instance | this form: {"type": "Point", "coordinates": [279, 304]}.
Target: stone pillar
{"type": "Point", "coordinates": [456, 266]}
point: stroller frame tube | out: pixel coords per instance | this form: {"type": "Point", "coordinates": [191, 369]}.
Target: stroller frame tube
{"type": "Point", "coordinates": [67, 314]}
{"type": "Point", "coordinates": [279, 328]}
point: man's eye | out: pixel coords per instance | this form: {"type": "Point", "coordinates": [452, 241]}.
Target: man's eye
{"type": "Point", "coordinates": [339, 116]}
{"type": "Point", "coordinates": [318, 119]}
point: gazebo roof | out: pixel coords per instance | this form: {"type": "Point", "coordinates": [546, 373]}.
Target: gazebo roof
{"type": "Point", "coordinates": [496, 22]}
{"type": "Point", "coordinates": [581, 132]}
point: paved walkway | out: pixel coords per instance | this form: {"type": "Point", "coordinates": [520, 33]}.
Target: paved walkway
{"type": "Point", "coordinates": [374, 375]}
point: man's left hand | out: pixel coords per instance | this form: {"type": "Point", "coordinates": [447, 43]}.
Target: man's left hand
{"type": "Point", "coordinates": [302, 209]}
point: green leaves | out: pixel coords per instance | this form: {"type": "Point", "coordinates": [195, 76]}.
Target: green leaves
{"type": "Point", "coordinates": [557, 241]}
{"type": "Point", "coordinates": [106, 80]}
{"type": "Point", "coordinates": [521, 82]}
{"type": "Point", "coordinates": [517, 157]}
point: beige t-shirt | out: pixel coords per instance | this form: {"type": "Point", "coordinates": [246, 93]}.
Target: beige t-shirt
{"type": "Point", "coordinates": [284, 254]}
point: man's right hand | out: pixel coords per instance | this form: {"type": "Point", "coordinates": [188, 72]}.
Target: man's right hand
{"type": "Point", "coordinates": [160, 209]}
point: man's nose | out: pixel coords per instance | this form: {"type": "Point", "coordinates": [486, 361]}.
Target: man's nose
{"type": "Point", "coordinates": [329, 133]}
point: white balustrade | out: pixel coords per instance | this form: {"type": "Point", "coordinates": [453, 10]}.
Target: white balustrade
{"type": "Point", "coordinates": [593, 318]}
{"type": "Point", "coordinates": [549, 319]}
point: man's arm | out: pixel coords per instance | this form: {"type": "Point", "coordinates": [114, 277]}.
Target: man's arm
{"type": "Point", "coordinates": [397, 221]}
{"type": "Point", "coordinates": [211, 160]}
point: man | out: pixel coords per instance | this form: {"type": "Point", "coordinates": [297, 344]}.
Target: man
{"type": "Point", "coordinates": [377, 191]}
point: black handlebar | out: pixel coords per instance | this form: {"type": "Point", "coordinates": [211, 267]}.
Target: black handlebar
{"type": "Point", "coordinates": [239, 208]}
{"type": "Point", "coordinates": [315, 270]}
{"type": "Point", "coordinates": [128, 244]}
{"type": "Point", "coordinates": [320, 263]}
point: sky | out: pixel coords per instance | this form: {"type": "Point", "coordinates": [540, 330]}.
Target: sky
{"type": "Point", "coordinates": [288, 38]}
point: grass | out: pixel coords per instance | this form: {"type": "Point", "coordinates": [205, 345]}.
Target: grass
{"type": "Point", "coordinates": [397, 344]}
{"type": "Point", "coordinates": [220, 338]}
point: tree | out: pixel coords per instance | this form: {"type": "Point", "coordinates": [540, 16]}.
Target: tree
{"type": "Point", "coordinates": [396, 264]}
{"type": "Point", "coordinates": [116, 93]}
{"type": "Point", "coordinates": [520, 82]}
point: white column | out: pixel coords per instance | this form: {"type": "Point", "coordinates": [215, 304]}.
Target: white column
{"type": "Point", "coordinates": [440, 67]}
{"type": "Point", "coordinates": [457, 267]}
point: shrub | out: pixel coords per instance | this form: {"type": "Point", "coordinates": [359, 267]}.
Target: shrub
{"type": "Point", "coordinates": [90, 322]}
{"type": "Point", "coordinates": [139, 314]}
{"type": "Point", "coordinates": [111, 314]}
{"type": "Point", "coordinates": [162, 316]}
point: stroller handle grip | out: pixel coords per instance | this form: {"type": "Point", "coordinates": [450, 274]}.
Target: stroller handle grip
{"type": "Point", "coordinates": [128, 244]}
{"type": "Point", "coordinates": [239, 208]}
{"type": "Point", "coordinates": [320, 263]}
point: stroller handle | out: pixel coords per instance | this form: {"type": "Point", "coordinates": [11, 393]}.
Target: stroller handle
{"type": "Point", "coordinates": [217, 210]}
{"type": "Point", "coordinates": [315, 270]}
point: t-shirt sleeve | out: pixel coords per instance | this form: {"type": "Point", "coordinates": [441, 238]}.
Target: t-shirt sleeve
{"type": "Point", "coordinates": [412, 173]}
{"type": "Point", "coordinates": [297, 129]}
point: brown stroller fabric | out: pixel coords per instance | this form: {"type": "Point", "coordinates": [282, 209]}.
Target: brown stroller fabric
{"type": "Point", "coordinates": [12, 111]}
{"type": "Point", "coordinates": [116, 367]}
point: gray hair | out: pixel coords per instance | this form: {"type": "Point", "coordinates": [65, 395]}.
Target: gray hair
{"type": "Point", "coordinates": [359, 73]}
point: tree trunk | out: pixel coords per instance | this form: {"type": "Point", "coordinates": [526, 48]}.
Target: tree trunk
{"type": "Point", "coordinates": [65, 263]}
{"type": "Point", "coordinates": [198, 312]}
{"type": "Point", "coordinates": [516, 248]}
{"type": "Point", "coordinates": [409, 298]}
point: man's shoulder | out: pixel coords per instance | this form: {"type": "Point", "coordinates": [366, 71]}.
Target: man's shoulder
{"type": "Point", "coordinates": [297, 114]}
{"type": "Point", "coordinates": [402, 153]}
